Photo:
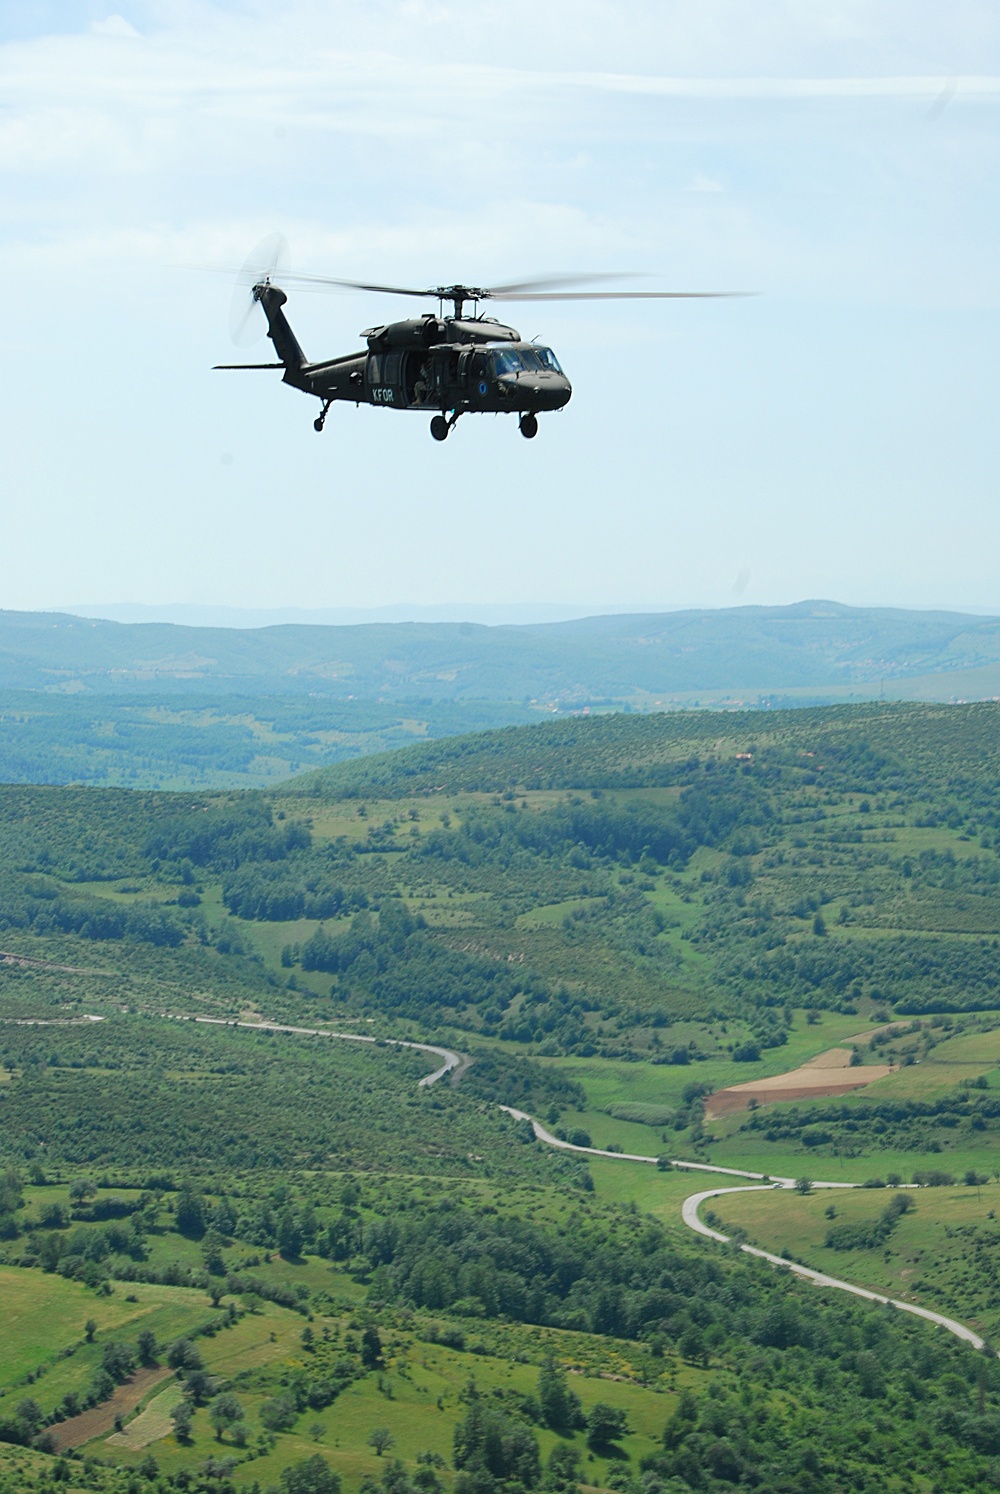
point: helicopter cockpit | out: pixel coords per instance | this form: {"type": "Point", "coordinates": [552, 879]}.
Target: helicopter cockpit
{"type": "Point", "coordinates": [525, 360]}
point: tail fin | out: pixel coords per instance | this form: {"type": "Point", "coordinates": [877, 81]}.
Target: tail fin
{"type": "Point", "coordinates": [272, 299]}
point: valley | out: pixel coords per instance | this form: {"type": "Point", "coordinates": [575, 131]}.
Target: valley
{"type": "Point", "coordinates": [678, 938]}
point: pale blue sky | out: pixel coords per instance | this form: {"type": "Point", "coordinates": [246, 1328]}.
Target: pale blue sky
{"type": "Point", "coordinates": [835, 436]}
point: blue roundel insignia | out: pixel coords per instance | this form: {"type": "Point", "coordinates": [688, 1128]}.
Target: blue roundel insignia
{"type": "Point", "coordinates": [484, 387]}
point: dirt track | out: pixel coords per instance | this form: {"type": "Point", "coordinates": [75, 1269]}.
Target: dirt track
{"type": "Point", "coordinates": [101, 1419]}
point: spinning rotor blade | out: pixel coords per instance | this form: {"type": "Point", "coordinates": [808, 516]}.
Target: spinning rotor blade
{"type": "Point", "coordinates": [554, 282]}
{"type": "Point", "coordinates": [542, 283]}
{"type": "Point", "coordinates": [297, 278]}
{"type": "Point", "coordinates": [504, 295]}
{"type": "Point", "coordinates": [264, 264]}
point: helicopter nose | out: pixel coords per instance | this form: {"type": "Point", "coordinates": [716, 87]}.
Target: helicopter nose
{"type": "Point", "coordinates": [541, 391]}
{"type": "Point", "coordinates": [555, 391]}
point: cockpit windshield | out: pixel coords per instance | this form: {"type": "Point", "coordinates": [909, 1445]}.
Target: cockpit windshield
{"type": "Point", "coordinates": [531, 360]}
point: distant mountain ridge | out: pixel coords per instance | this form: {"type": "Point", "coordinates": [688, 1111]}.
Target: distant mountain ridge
{"type": "Point", "coordinates": [815, 649]}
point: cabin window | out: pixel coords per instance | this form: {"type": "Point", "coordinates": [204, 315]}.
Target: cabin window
{"type": "Point", "coordinates": [390, 368]}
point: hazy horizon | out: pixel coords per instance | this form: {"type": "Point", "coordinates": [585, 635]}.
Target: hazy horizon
{"type": "Point", "coordinates": [495, 614]}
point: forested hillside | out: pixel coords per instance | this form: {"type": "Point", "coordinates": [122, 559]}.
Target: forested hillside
{"type": "Point", "coordinates": [248, 1258]}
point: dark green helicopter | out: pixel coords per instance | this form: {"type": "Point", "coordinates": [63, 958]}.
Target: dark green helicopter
{"type": "Point", "coordinates": [451, 364]}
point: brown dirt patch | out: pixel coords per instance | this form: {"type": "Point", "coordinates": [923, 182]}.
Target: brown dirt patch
{"type": "Point", "coordinates": [827, 1074]}
{"type": "Point", "coordinates": [833, 1058]}
{"type": "Point", "coordinates": [101, 1419]}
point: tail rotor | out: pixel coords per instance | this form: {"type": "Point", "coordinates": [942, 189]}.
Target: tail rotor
{"type": "Point", "coordinates": [266, 264]}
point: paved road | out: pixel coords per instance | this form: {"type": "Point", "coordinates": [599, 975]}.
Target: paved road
{"type": "Point", "coordinates": [689, 1213]}
{"type": "Point", "coordinates": [690, 1216]}
{"type": "Point", "coordinates": [454, 1063]}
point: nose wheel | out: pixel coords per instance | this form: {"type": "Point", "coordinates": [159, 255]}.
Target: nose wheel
{"type": "Point", "coordinates": [441, 427]}
{"type": "Point", "coordinates": [320, 420]}
{"type": "Point", "coordinates": [528, 426]}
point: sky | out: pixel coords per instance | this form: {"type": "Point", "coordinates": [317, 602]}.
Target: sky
{"type": "Point", "coordinates": [834, 435]}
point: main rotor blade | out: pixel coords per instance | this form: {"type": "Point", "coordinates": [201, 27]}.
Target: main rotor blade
{"type": "Point", "coordinates": [301, 278]}
{"type": "Point", "coordinates": [552, 282]}
{"type": "Point", "coordinates": [616, 295]}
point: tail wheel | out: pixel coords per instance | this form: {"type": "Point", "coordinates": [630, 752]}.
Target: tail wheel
{"type": "Point", "coordinates": [440, 428]}
{"type": "Point", "coordinates": [528, 427]}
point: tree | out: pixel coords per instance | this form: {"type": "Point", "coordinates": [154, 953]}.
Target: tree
{"type": "Point", "coordinates": [146, 1345]}
{"type": "Point", "coordinates": [81, 1189]}
{"type": "Point", "coordinates": [491, 1445]}
{"type": "Point", "coordinates": [692, 1345]}
{"type": "Point", "coordinates": [30, 1412]}
{"type": "Point", "coordinates": [182, 1416]}
{"type": "Point", "coordinates": [605, 1425]}
{"type": "Point", "coordinates": [371, 1348]}
{"type": "Point", "coordinates": [224, 1413]}
{"type": "Point", "coordinates": [560, 1406]}
{"type": "Point", "coordinates": [117, 1360]}
{"type": "Point", "coordinates": [89, 1329]}
{"type": "Point", "coordinates": [199, 1386]}
{"type": "Point", "coordinates": [803, 1185]}
{"type": "Point", "coordinates": [182, 1355]}
{"type": "Point", "coordinates": [279, 1414]}
{"type": "Point", "coordinates": [313, 1476]}
{"type": "Point", "coordinates": [289, 1236]}
{"type": "Point", "coordinates": [223, 1218]}
{"type": "Point", "coordinates": [381, 1439]}
{"type": "Point", "coordinates": [189, 1213]}
{"type": "Point", "coordinates": [211, 1253]}
{"type": "Point", "coordinates": [562, 1470]}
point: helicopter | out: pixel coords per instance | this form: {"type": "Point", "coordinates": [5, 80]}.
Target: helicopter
{"type": "Point", "coordinates": [450, 364]}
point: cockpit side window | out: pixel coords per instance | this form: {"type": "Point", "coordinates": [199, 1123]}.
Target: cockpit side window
{"type": "Point", "coordinates": [507, 362]}
{"type": "Point", "coordinates": [548, 360]}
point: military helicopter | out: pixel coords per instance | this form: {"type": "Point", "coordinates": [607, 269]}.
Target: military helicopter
{"type": "Point", "coordinates": [454, 364]}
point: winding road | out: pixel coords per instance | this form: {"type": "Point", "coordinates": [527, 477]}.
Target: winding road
{"type": "Point", "coordinates": [455, 1064]}
{"type": "Point", "coordinates": [690, 1216]}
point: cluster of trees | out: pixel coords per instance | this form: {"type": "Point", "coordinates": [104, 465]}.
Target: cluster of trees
{"type": "Point", "coordinates": [720, 801]}
{"type": "Point", "coordinates": [39, 906]}
{"type": "Point", "coordinates": [882, 1125]}
{"type": "Point", "coordinates": [916, 975]}
{"type": "Point", "coordinates": [283, 891]}
{"type": "Point", "coordinates": [396, 962]}
{"type": "Point", "coordinates": [869, 1234]}
{"type": "Point", "coordinates": [222, 834]}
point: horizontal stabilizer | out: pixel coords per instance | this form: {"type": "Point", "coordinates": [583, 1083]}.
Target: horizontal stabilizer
{"type": "Point", "coordinates": [246, 365]}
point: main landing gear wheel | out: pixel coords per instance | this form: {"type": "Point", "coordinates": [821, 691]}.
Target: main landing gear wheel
{"type": "Point", "coordinates": [320, 420]}
{"type": "Point", "coordinates": [528, 426]}
{"type": "Point", "coordinates": [440, 428]}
